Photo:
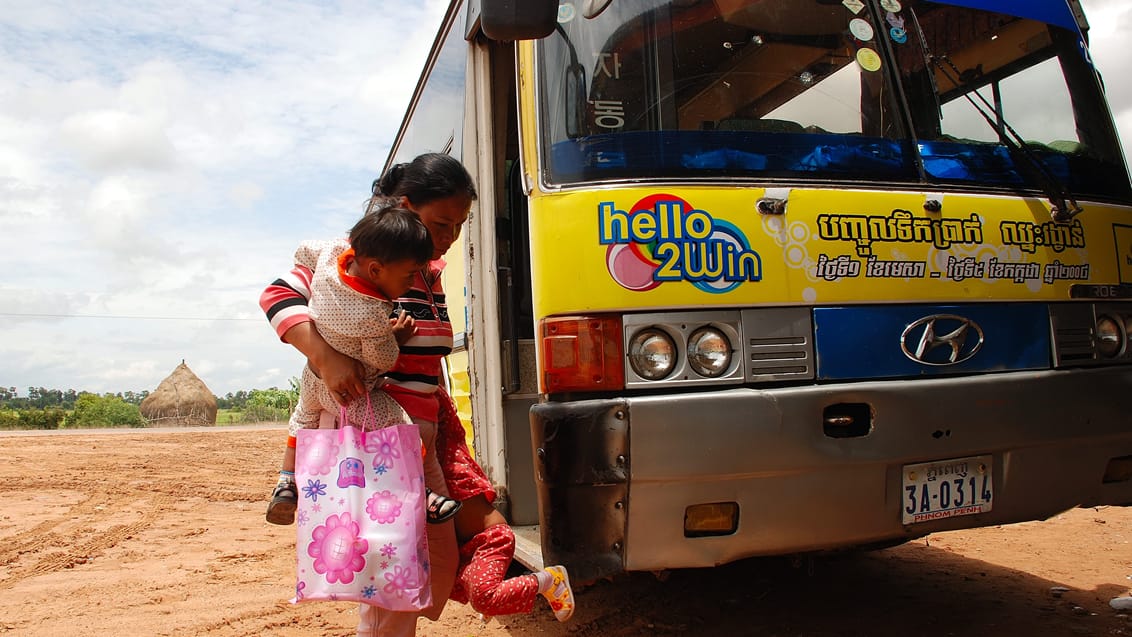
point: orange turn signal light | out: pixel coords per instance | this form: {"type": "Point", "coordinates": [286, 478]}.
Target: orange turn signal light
{"type": "Point", "coordinates": [582, 353]}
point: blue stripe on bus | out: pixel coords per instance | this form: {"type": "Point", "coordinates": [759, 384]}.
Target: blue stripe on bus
{"type": "Point", "coordinates": [865, 342]}
{"type": "Point", "coordinates": [1055, 12]}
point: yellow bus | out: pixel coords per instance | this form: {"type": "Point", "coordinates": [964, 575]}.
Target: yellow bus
{"type": "Point", "coordinates": [766, 277]}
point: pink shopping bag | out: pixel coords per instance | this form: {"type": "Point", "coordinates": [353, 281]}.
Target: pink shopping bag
{"type": "Point", "coordinates": [361, 517]}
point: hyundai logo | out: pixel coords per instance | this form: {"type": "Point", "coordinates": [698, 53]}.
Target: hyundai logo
{"type": "Point", "coordinates": [942, 339]}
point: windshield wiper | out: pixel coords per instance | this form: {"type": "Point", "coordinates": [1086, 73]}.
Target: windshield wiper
{"type": "Point", "coordinates": [1063, 206]}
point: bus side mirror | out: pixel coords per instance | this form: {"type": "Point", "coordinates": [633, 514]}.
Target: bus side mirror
{"type": "Point", "coordinates": [509, 20]}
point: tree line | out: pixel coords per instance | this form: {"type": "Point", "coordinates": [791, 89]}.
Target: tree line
{"type": "Point", "coordinates": [43, 408]}
{"type": "Point", "coordinates": [43, 398]}
{"type": "Point", "coordinates": [260, 405]}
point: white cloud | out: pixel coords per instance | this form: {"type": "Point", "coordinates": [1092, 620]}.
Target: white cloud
{"type": "Point", "coordinates": [1110, 24]}
{"type": "Point", "coordinates": [245, 194]}
{"type": "Point", "coordinates": [161, 162]}
{"type": "Point", "coordinates": [110, 141]}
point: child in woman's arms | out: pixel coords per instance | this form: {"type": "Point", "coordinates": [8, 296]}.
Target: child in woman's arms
{"type": "Point", "coordinates": [352, 285]}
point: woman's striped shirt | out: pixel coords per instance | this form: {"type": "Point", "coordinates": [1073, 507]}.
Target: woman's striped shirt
{"type": "Point", "coordinates": [413, 380]}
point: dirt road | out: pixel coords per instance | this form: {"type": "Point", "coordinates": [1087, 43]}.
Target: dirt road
{"type": "Point", "coordinates": [144, 533]}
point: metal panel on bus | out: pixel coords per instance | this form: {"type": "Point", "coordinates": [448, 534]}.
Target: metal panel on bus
{"type": "Point", "coordinates": [888, 341]}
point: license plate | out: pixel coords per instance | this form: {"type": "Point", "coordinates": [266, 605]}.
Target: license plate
{"type": "Point", "coordinates": [947, 489]}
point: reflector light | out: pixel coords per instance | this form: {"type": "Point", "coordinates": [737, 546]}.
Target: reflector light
{"type": "Point", "coordinates": [581, 353]}
{"type": "Point", "coordinates": [714, 518]}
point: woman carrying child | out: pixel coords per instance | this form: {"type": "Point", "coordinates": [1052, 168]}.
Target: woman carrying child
{"type": "Point", "coordinates": [440, 191]}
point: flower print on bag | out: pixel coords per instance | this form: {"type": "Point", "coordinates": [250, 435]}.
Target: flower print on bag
{"type": "Point", "coordinates": [362, 544]}
{"type": "Point", "coordinates": [384, 507]}
{"type": "Point", "coordinates": [319, 457]}
{"type": "Point", "coordinates": [422, 553]}
{"type": "Point", "coordinates": [383, 444]}
{"type": "Point", "coordinates": [337, 549]}
{"type": "Point", "coordinates": [400, 581]}
{"type": "Point", "coordinates": [314, 489]}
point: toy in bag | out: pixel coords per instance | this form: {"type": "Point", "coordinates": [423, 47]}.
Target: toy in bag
{"type": "Point", "coordinates": [361, 517]}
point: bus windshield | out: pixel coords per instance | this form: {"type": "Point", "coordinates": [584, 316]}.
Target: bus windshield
{"type": "Point", "coordinates": [878, 91]}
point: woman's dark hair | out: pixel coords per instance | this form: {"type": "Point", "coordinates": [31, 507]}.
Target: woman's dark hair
{"type": "Point", "coordinates": [390, 233]}
{"type": "Point", "coordinates": [429, 177]}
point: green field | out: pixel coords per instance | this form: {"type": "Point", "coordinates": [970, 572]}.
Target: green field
{"type": "Point", "coordinates": [229, 416]}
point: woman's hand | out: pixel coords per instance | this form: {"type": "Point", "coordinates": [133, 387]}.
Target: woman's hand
{"type": "Point", "coordinates": [342, 374]}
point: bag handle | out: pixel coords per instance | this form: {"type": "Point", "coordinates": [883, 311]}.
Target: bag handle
{"type": "Point", "coordinates": [368, 424]}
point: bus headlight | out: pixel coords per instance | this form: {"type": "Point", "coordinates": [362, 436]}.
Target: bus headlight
{"type": "Point", "coordinates": [1110, 337]}
{"type": "Point", "coordinates": [652, 354]}
{"type": "Point", "coordinates": [709, 352]}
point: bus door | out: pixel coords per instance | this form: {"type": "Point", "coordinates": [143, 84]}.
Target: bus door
{"type": "Point", "coordinates": [500, 318]}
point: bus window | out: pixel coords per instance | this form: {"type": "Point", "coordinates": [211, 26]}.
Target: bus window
{"type": "Point", "coordinates": [796, 91]}
{"type": "Point", "coordinates": [975, 78]}
{"type": "Point", "coordinates": [774, 88]}
{"type": "Point", "coordinates": [832, 105]}
{"type": "Point", "coordinates": [1052, 123]}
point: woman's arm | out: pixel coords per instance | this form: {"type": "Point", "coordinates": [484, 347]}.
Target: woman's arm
{"type": "Point", "coordinates": [342, 374]}
{"type": "Point", "coordinates": [285, 304]}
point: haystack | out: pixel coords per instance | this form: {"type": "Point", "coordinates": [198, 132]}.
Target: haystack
{"type": "Point", "coordinates": [182, 399]}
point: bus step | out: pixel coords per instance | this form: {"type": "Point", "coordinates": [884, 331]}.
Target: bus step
{"type": "Point", "coordinates": [528, 546]}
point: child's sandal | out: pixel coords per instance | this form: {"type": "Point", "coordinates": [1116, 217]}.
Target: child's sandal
{"type": "Point", "coordinates": [440, 508]}
{"type": "Point", "coordinates": [560, 594]}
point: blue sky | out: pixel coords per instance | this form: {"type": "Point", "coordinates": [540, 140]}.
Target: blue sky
{"type": "Point", "coordinates": [160, 161]}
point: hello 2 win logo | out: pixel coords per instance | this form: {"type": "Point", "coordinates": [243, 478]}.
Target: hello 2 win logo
{"type": "Point", "coordinates": [664, 238]}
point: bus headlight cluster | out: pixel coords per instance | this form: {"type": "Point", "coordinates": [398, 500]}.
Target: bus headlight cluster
{"type": "Point", "coordinates": [709, 352]}
{"type": "Point", "coordinates": [652, 354]}
{"type": "Point", "coordinates": [1110, 336]}
{"type": "Point", "coordinates": [655, 353]}
{"type": "Point", "coordinates": [1086, 334]}
{"type": "Point", "coordinates": [681, 349]}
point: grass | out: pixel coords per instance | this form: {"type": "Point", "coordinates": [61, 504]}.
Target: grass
{"type": "Point", "coordinates": [229, 416]}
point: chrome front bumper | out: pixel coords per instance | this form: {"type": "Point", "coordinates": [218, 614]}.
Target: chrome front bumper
{"type": "Point", "coordinates": [616, 476]}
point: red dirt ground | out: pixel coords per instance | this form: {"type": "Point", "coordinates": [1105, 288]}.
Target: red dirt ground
{"type": "Point", "coordinates": [162, 533]}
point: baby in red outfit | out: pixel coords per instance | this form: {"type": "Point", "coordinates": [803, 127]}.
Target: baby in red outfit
{"type": "Point", "coordinates": [487, 543]}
